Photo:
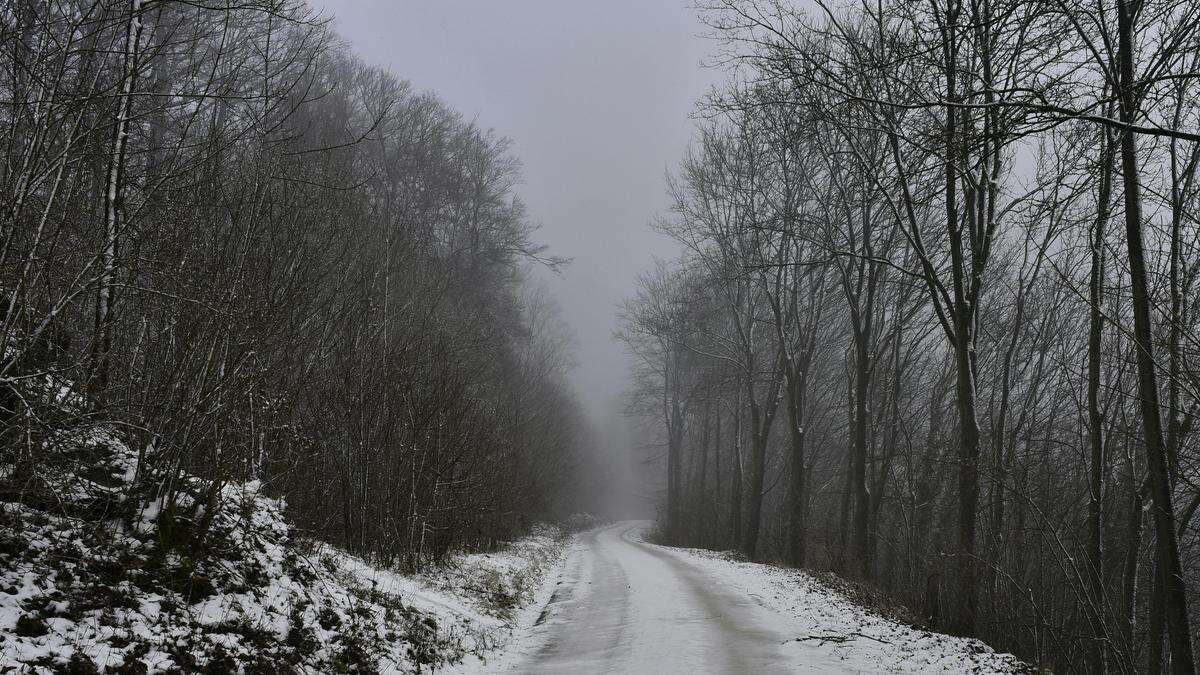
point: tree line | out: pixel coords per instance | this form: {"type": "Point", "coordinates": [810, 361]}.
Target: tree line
{"type": "Point", "coordinates": [258, 258]}
{"type": "Point", "coordinates": [933, 326]}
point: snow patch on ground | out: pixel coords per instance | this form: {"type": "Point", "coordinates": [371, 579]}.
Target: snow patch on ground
{"type": "Point", "coordinates": [488, 598]}
{"type": "Point", "coordinates": [518, 639]}
{"type": "Point", "coordinates": [830, 628]}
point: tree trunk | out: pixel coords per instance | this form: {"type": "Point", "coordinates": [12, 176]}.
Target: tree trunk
{"type": "Point", "coordinates": [1167, 545]}
{"type": "Point", "coordinates": [797, 530]}
{"type": "Point", "coordinates": [860, 561]}
{"type": "Point", "coordinates": [735, 497]}
{"type": "Point", "coordinates": [114, 207]}
{"type": "Point", "coordinates": [1095, 417]}
{"type": "Point", "coordinates": [758, 465]}
{"type": "Point", "coordinates": [1133, 545]}
{"type": "Point", "coordinates": [968, 478]}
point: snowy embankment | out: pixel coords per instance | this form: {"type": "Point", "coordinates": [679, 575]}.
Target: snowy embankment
{"type": "Point", "coordinates": [217, 581]}
{"type": "Point", "coordinates": [490, 597]}
{"type": "Point", "coordinates": [830, 629]}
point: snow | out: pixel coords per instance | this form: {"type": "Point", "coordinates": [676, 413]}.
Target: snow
{"type": "Point", "coordinates": [835, 632]}
{"type": "Point", "coordinates": [482, 598]}
{"type": "Point", "coordinates": [621, 604]}
{"type": "Point", "coordinates": [514, 641]}
{"type": "Point", "coordinates": [83, 593]}
{"type": "Point", "coordinates": [99, 571]}
{"type": "Point", "coordinates": [107, 593]}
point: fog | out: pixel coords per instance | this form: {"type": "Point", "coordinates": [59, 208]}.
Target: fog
{"type": "Point", "coordinates": [595, 97]}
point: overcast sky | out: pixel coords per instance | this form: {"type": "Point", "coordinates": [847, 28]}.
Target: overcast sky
{"type": "Point", "coordinates": [596, 96]}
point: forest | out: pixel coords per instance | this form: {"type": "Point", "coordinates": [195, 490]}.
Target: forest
{"type": "Point", "coordinates": [255, 258]}
{"type": "Point", "coordinates": [934, 324]}
{"type": "Point", "coordinates": [283, 386]}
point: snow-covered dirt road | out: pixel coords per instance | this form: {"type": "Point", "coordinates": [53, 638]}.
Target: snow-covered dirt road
{"type": "Point", "coordinates": [626, 606]}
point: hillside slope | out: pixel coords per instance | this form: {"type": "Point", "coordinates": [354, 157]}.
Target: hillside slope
{"type": "Point", "coordinates": [98, 573]}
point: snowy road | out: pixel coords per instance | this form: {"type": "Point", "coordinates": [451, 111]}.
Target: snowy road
{"type": "Point", "coordinates": [624, 606]}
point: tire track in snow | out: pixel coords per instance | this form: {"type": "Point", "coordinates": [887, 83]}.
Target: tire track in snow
{"type": "Point", "coordinates": [586, 616]}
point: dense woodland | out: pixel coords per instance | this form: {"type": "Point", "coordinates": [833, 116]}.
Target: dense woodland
{"type": "Point", "coordinates": [935, 323]}
{"type": "Point", "coordinates": [257, 258]}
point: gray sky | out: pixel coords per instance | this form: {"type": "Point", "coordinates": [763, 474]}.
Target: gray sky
{"type": "Point", "coordinates": [596, 96]}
